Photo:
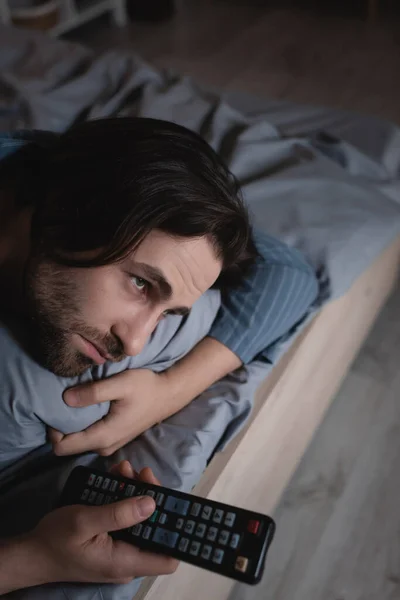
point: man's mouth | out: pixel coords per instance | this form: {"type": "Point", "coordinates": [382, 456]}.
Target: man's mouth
{"type": "Point", "coordinates": [92, 351]}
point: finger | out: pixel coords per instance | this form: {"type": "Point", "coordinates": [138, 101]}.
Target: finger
{"type": "Point", "coordinates": [95, 392]}
{"type": "Point", "coordinates": [91, 438]}
{"type": "Point", "coordinates": [143, 563]}
{"type": "Point", "coordinates": [123, 468]}
{"type": "Point", "coordinates": [118, 515]}
{"type": "Point", "coordinates": [148, 476]}
{"type": "Point", "coordinates": [54, 436]}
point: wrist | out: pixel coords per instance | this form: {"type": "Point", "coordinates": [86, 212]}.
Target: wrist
{"type": "Point", "coordinates": [22, 564]}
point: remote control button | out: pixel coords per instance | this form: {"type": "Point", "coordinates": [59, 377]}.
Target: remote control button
{"type": "Point", "coordinates": [113, 486]}
{"type": "Point", "coordinates": [241, 564]}
{"type": "Point", "coordinates": [212, 534]}
{"type": "Point", "coordinates": [235, 540]}
{"type": "Point", "coordinates": [98, 482]}
{"type": "Point", "coordinates": [159, 498]}
{"type": "Point", "coordinates": [163, 519]}
{"type": "Point", "coordinates": [183, 544]}
{"type": "Point", "coordinates": [154, 516]}
{"type": "Point", "coordinates": [147, 532]}
{"type": "Point", "coordinates": [218, 556]}
{"type": "Point", "coordinates": [189, 527]}
{"type": "Point", "coordinates": [130, 490]}
{"type": "Point", "coordinates": [196, 508]}
{"type": "Point", "coordinates": [177, 505]}
{"type": "Point", "coordinates": [253, 526]}
{"type": "Point", "coordinates": [150, 493]}
{"type": "Point", "coordinates": [121, 486]}
{"type": "Point", "coordinates": [230, 519]}
{"type": "Point", "coordinates": [200, 530]}
{"type": "Point", "coordinates": [91, 479]}
{"type": "Point", "coordinates": [92, 497]}
{"type": "Point", "coordinates": [206, 552]}
{"type": "Point", "coordinates": [136, 529]}
{"type": "Point", "coordinates": [165, 537]}
{"type": "Point", "coordinates": [106, 483]}
{"type": "Point", "coordinates": [107, 500]}
{"type": "Point", "coordinates": [194, 548]}
{"type": "Point", "coordinates": [223, 537]}
{"type": "Point", "coordinates": [99, 499]}
{"type": "Point", "coordinates": [85, 494]}
{"type": "Point", "coordinates": [179, 523]}
{"type": "Point", "coordinates": [206, 514]}
{"type": "Point", "coordinates": [218, 516]}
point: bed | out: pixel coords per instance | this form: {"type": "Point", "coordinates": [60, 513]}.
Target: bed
{"type": "Point", "coordinates": [347, 223]}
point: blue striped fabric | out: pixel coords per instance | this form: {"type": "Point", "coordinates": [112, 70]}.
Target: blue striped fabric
{"type": "Point", "coordinates": [277, 296]}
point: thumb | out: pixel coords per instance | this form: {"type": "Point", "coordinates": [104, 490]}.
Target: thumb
{"type": "Point", "coordinates": [119, 515]}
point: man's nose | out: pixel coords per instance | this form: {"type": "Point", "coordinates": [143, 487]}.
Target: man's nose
{"type": "Point", "coordinates": [135, 332]}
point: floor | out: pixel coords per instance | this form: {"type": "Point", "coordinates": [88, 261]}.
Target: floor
{"type": "Point", "coordinates": [338, 535]}
{"type": "Point", "coordinates": [313, 56]}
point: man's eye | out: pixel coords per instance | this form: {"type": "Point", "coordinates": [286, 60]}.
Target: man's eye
{"type": "Point", "coordinates": [140, 283]}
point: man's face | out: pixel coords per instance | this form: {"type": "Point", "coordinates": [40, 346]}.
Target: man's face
{"type": "Point", "coordinates": [83, 317]}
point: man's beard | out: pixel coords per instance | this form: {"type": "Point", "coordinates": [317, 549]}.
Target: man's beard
{"type": "Point", "coordinates": [53, 304]}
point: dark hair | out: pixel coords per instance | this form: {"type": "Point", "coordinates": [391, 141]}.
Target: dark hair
{"type": "Point", "coordinates": [106, 184]}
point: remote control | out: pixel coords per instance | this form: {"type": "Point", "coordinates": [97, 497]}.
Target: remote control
{"type": "Point", "coordinates": [219, 537]}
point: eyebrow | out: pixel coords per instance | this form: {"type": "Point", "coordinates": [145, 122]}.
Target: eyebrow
{"type": "Point", "coordinates": [164, 287]}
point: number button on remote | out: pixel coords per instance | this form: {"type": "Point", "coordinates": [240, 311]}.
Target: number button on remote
{"type": "Point", "coordinates": [194, 548]}
{"type": "Point", "coordinates": [130, 490]}
{"type": "Point", "coordinates": [147, 533]}
{"type": "Point", "coordinates": [218, 516]}
{"type": "Point", "coordinates": [92, 497]}
{"type": "Point", "coordinates": [91, 479]}
{"type": "Point", "coordinates": [107, 500]}
{"type": "Point", "coordinates": [206, 514]}
{"type": "Point", "coordinates": [212, 534]}
{"type": "Point", "coordinates": [98, 482]}
{"type": "Point", "coordinates": [136, 529]}
{"type": "Point", "coordinates": [106, 483]}
{"type": "Point", "coordinates": [113, 486]}
{"type": "Point", "coordinates": [223, 537]}
{"type": "Point", "coordinates": [159, 498]}
{"type": "Point", "coordinates": [179, 523]}
{"type": "Point", "coordinates": [165, 537]}
{"type": "Point", "coordinates": [200, 530]}
{"type": "Point", "coordinates": [99, 499]}
{"type": "Point", "coordinates": [150, 493]}
{"type": "Point", "coordinates": [206, 552]}
{"type": "Point", "coordinates": [183, 544]}
{"type": "Point", "coordinates": [189, 527]}
{"type": "Point", "coordinates": [85, 494]}
{"type": "Point", "coordinates": [218, 556]}
{"type": "Point", "coordinates": [235, 540]}
{"type": "Point", "coordinates": [230, 519]}
{"type": "Point", "coordinates": [177, 505]}
{"type": "Point", "coordinates": [163, 519]}
{"type": "Point", "coordinates": [196, 508]}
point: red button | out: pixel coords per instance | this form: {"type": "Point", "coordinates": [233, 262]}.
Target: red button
{"type": "Point", "coordinates": [253, 526]}
{"type": "Point", "coordinates": [121, 486]}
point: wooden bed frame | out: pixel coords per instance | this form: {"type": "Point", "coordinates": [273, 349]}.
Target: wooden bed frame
{"type": "Point", "coordinates": [255, 468]}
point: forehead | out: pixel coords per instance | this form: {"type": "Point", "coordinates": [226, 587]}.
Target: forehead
{"type": "Point", "coordinates": [189, 264]}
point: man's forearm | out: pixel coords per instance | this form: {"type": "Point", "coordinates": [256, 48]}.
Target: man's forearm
{"type": "Point", "coordinates": [208, 362]}
{"type": "Point", "coordinates": [20, 565]}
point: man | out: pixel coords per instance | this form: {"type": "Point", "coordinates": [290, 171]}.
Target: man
{"type": "Point", "coordinates": [110, 234]}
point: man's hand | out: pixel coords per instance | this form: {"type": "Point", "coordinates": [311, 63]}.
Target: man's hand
{"type": "Point", "coordinates": [139, 400]}
{"type": "Point", "coordinates": [73, 543]}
